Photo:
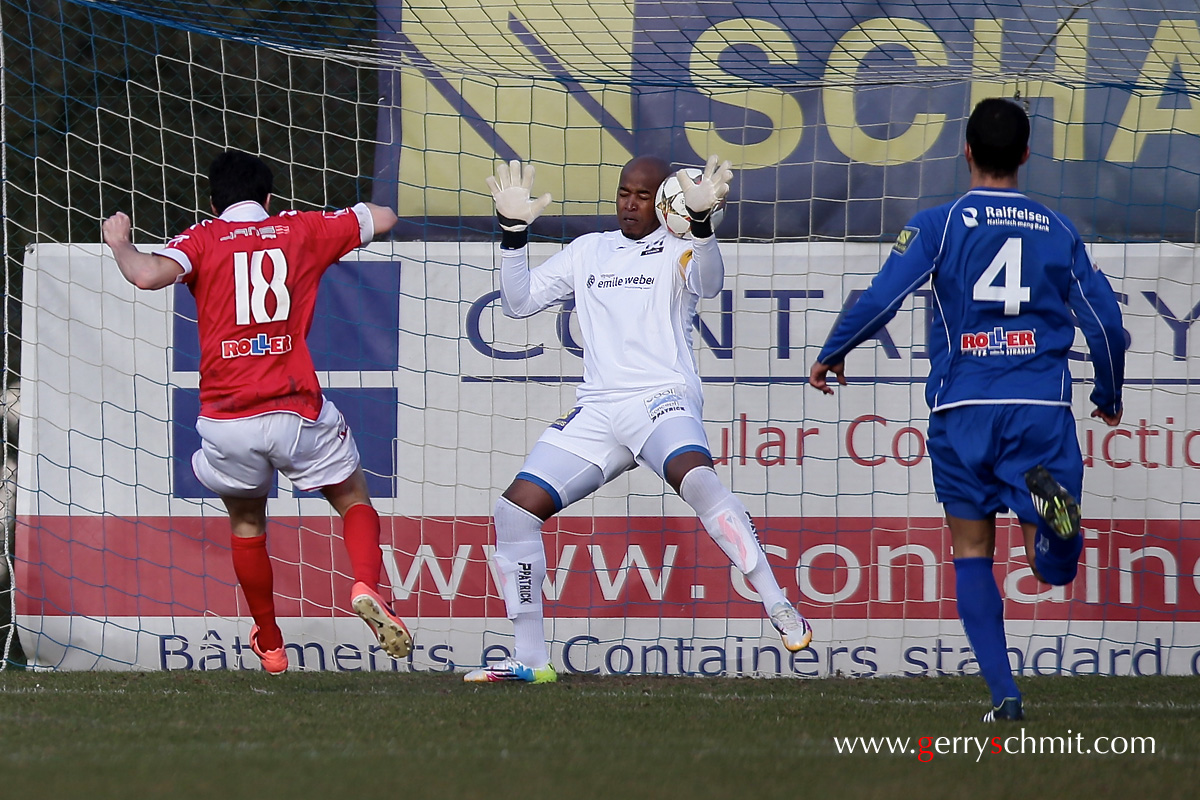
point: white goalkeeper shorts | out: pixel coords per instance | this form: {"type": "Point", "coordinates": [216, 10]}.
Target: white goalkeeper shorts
{"type": "Point", "coordinates": [648, 427]}
{"type": "Point", "coordinates": [239, 457]}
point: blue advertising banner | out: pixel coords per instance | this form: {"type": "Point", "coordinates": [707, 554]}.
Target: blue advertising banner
{"type": "Point", "coordinates": [841, 119]}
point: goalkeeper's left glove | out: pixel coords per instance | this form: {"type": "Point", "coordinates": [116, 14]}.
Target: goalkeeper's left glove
{"type": "Point", "coordinates": [515, 208]}
{"type": "Point", "coordinates": [700, 198]}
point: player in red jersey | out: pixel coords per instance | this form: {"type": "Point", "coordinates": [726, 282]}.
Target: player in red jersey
{"type": "Point", "coordinates": [255, 276]}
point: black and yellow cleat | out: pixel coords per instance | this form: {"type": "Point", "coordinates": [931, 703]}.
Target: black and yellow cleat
{"type": "Point", "coordinates": [1010, 709]}
{"type": "Point", "coordinates": [1054, 503]}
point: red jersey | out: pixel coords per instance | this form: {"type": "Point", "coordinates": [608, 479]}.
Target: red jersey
{"type": "Point", "coordinates": [255, 279]}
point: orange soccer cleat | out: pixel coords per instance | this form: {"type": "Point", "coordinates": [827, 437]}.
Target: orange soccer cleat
{"type": "Point", "coordinates": [275, 662]}
{"type": "Point", "coordinates": [389, 629]}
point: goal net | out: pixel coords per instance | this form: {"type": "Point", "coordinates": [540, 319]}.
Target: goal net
{"type": "Point", "coordinates": [841, 119]}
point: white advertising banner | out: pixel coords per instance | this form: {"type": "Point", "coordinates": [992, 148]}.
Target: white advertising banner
{"type": "Point", "coordinates": [122, 557]}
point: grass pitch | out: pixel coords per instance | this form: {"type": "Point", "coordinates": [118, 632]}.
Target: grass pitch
{"type": "Point", "coordinates": [233, 735]}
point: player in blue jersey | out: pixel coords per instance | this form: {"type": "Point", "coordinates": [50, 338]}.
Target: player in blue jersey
{"type": "Point", "coordinates": [1011, 279]}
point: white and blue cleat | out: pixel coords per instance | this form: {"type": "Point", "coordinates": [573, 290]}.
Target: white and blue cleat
{"type": "Point", "coordinates": [512, 670]}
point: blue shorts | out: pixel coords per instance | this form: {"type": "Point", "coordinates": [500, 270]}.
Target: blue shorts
{"type": "Point", "coordinates": [980, 455]}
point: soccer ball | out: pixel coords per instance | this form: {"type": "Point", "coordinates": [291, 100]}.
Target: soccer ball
{"type": "Point", "coordinates": [671, 209]}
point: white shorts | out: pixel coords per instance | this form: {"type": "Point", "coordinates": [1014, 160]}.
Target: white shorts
{"type": "Point", "coordinates": [239, 457]}
{"type": "Point", "coordinates": [612, 434]}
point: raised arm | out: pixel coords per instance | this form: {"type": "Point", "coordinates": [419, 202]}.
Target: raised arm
{"type": "Point", "coordinates": [520, 295]}
{"type": "Point", "coordinates": [706, 274]}
{"type": "Point", "coordinates": [143, 270]}
{"type": "Point", "coordinates": [515, 296]}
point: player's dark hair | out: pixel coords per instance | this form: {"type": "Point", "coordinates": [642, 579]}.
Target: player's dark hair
{"type": "Point", "coordinates": [998, 132]}
{"type": "Point", "coordinates": [235, 176]}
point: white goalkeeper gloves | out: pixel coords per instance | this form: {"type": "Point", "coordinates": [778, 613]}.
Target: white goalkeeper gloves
{"type": "Point", "coordinates": [702, 197]}
{"type": "Point", "coordinates": [511, 191]}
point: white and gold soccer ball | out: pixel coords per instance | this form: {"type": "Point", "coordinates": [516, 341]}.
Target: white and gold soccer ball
{"type": "Point", "coordinates": [671, 209]}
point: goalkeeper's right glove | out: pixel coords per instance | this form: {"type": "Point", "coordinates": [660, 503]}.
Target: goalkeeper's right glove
{"type": "Point", "coordinates": [704, 195]}
{"type": "Point", "coordinates": [515, 208]}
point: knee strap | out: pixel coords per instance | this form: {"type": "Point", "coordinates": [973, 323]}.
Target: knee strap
{"type": "Point", "coordinates": [520, 559]}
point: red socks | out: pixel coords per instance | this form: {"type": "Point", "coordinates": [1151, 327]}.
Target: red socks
{"type": "Point", "coordinates": [252, 566]}
{"type": "Point", "coordinates": [360, 532]}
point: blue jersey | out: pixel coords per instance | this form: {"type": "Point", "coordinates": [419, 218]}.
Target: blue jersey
{"type": "Point", "coordinates": [1011, 279]}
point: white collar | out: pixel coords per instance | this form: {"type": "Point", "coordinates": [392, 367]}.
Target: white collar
{"type": "Point", "coordinates": [245, 211]}
{"type": "Point", "coordinates": [645, 239]}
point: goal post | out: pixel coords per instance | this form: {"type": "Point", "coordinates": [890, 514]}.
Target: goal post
{"type": "Point", "coordinates": [841, 120]}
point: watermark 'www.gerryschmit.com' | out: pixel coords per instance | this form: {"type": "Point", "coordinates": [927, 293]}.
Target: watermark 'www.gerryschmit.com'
{"type": "Point", "coordinates": [926, 747]}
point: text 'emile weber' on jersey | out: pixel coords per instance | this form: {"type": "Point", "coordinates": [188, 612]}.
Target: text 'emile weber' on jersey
{"type": "Point", "coordinates": [633, 303]}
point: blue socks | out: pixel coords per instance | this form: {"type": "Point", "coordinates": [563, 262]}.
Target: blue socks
{"type": "Point", "coordinates": [982, 613]}
{"type": "Point", "coordinates": [1057, 560]}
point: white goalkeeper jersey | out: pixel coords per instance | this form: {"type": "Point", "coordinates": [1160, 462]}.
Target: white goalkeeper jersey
{"type": "Point", "coordinates": [636, 302]}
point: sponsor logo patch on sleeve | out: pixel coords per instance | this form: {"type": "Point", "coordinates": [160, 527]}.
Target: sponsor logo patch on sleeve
{"type": "Point", "coordinates": [906, 237]}
{"type": "Point", "coordinates": [684, 260]}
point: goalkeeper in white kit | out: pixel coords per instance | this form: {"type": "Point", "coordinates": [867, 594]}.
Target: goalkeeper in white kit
{"type": "Point", "coordinates": [635, 292]}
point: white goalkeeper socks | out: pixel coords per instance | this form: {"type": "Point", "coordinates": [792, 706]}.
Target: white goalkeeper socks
{"type": "Point", "coordinates": [726, 520]}
{"type": "Point", "coordinates": [530, 643]}
{"type": "Point", "coordinates": [521, 567]}
{"type": "Point", "coordinates": [763, 581]}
